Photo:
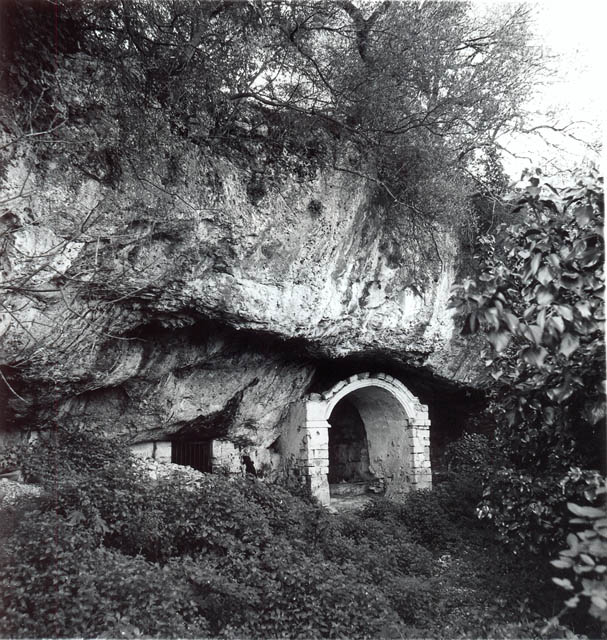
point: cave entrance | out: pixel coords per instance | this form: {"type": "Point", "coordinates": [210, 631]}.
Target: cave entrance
{"type": "Point", "coordinates": [349, 472]}
{"type": "Point", "coordinates": [381, 438]}
{"type": "Point", "coordinates": [198, 455]}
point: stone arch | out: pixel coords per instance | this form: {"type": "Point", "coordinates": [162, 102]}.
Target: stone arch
{"type": "Point", "coordinates": [397, 428]}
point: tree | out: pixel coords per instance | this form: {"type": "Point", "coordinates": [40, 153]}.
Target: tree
{"type": "Point", "coordinates": [539, 299]}
{"type": "Point", "coordinates": [419, 85]}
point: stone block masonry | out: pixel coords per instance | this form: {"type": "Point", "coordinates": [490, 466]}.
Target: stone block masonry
{"type": "Point", "coordinates": [396, 442]}
{"type": "Point", "coordinates": [397, 429]}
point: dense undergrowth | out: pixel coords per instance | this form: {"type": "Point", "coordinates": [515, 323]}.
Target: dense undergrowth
{"type": "Point", "coordinates": [107, 551]}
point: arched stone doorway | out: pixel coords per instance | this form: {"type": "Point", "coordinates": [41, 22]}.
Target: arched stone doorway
{"type": "Point", "coordinates": [382, 433]}
{"type": "Point", "coordinates": [348, 447]}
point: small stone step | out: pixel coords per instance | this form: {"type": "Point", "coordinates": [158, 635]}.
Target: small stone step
{"type": "Point", "coordinates": [349, 489]}
{"type": "Point", "coordinates": [341, 504]}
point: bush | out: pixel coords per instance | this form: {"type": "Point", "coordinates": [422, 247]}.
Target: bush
{"type": "Point", "coordinates": [585, 559]}
{"type": "Point", "coordinates": [165, 518]}
{"type": "Point", "coordinates": [460, 495]}
{"type": "Point", "coordinates": [435, 518]}
{"type": "Point", "coordinates": [56, 581]}
{"type": "Point", "coordinates": [423, 512]}
{"type": "Point", "coordinates": [287, 513]}
{"type": "Point", "coordinates": [414, 599]}
{"type": "Point", "coordinates": [470, 461]}
{"type": "Point", "coordinates": [94, 484]}
{"type": "Point", "coordinates": [473, 454]}
{"type": "Point", "coordinates": [539, 298]}
{"type": "Point", "coordinates": [284, 590]}
{"type": "Point", "coordinates": [109, 551]}
{"type": "Point", "coordinates": [69, 451]}
{"type": "Point", "coordinates": [106, 543]}
{"type": "Point", "coordinates": [379, 547]}
{"type": "Point", "coordinates": [530, 511]}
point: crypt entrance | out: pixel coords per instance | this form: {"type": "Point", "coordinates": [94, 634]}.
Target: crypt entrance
{"type": "Point", "coordinates": [366, 433]}
{"type": "Point", "coordinates": [349, 472]}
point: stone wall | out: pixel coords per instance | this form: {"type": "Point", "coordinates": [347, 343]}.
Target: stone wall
{"type": "Point", "coordinates": [397, 429]}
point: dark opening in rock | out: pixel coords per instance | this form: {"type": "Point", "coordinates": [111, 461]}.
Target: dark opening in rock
{"type": "Point", "coordinates": [249, 466]}
{"type": "Point", "coordinates": [348, 447]}
{"type": "Point", "coordinates": [197, 455]}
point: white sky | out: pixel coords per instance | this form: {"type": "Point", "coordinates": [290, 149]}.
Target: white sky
{"type": "Point", "coordinates": [576, 31]}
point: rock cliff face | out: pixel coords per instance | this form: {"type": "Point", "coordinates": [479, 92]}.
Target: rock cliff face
{"type": "Point", "coordinates": [188, 293]}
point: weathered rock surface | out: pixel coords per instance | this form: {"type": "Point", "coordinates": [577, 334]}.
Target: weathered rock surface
{"type": "Point", "coordinates": [190, 294]}
{"type": "Point", "coordinates": [11, 491]}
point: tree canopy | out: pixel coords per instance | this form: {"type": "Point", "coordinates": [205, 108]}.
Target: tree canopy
{"type": "Point", "coordinates": [419, 88]}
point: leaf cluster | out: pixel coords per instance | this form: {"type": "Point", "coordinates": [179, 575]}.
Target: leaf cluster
{"type": "Point", "coordinates": [418, 88]}
{"type": "Point", "coordinates": [191, 555]}
{"type": "Point", "coordinates": [538, 297]}
{"type": "Point", "coordinates": [585, 559]}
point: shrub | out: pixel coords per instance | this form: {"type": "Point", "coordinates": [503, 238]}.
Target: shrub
{"type": "Point", "coordinates": [290, 591]}
{"type": "Point", "coordinates": [531, 511]}
{"type": "Point", "coordinates": [164, 518]}
{"type": "Point", "coordinates": [585, 559]}
{"type": "Point", "coordinates": [538, 297]}
{"type": "Point", "coordinates": [424, 514]}
{"type": "Point", "coordinates": [68, 451]}
{"type": "Point", "coordinates": [380, 548]}
{"type": "Point", "coordinates": [56, 581]}
{"type": "Point", "coordinates": [292, 515]}
{"type": "Point", "coordinates": [383, 511]}
{"type": "Point", "coordinates": [11, 457]}
{"type": "Point", "coordinates": [414, 599]}
{"type": "Point", "coordinates": [94, 484]}
{"type": "Point", "coordinates": [434, 517]}
{"type": "Point", "coordinates": [472, 454]}
{"type": "Point", "coordinates": [108, 551]}
{"type": "Point", "coordinates": [459, 496]}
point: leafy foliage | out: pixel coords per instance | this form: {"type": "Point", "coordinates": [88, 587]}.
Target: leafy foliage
{"type": "Point", "coordinates": [109, 551]}
{"type": "Point", "coordinates": [76, 588]}
{"type": "Point", "coordinates": [72, 451]}
{"type": "Point", "coordinates": [586, 555]}
{"type": "Point", "coordinates": [420, 86]}
{"type": "Point", "coordinates": [471, 454]}
{"type": "Point", "coordinates": [539, 299]}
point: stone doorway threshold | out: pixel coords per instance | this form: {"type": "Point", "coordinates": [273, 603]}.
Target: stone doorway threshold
{"type": "Point", "coordinates": [351, 496]}
{"type": "Point", "coordinates": [341, 504]}
{"type": "Point", "coordinates": [348, 489]}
